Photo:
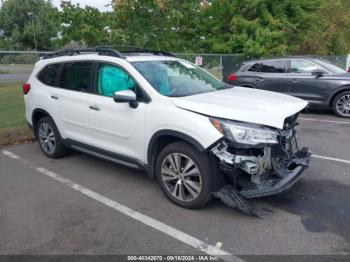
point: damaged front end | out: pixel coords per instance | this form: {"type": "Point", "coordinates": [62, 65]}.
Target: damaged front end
{"type": "Point", "coordinates": [258, 161]}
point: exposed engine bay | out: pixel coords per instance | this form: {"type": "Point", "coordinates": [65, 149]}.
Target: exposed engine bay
{"type": "Point", "coordinates": [260, 170]}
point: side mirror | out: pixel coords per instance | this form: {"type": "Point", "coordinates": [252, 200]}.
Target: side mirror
{"type": "Point", "coordinates": [317, 73]}
{"type": "Point", "coordinates": [126, 96]}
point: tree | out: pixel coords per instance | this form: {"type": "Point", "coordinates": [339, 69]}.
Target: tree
{"type": "Point", "coordinates": [88, 25]}
{"type": "Point", "coordinates": [158, 24]}
{"type": "Point", "coordinates": [28, 24]}
{"type": "Point", "coordinates": [329, 34]}
{"type": "Point", "coordinates": [257, 27]}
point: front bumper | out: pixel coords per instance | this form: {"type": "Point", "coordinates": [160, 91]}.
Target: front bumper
{"type": "Point", "coordinates": [283, 174]}
{"type": "Point", "coordinates": [286, 176]}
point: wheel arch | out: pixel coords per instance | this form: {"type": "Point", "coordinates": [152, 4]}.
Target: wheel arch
{"type": "Point", "coordinates": [163, 138]}
{"type": "Point", "coordinates": [37, 114]}
{"type": "Point", "coordinates": [337, 92]}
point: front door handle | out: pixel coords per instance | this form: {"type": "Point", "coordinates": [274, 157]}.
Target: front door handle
{"type": "Point", "coordinates": [54, 97]}
{"type": "Point", "coordinates": [94, 107]}
{"type": "Point", "coordinates": [294, 81]}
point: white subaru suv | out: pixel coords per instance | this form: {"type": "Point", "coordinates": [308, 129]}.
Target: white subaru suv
{"type": "Point", "coordinates": [153, 111]}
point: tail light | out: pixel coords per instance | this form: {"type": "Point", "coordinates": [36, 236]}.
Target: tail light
{"type": "Point", "coordinates": [26, 88]}
{"type": "Point", "coordinates": [232, 77]}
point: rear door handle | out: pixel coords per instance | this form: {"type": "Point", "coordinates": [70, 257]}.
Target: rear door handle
{"type": "Point", "coordinates": [54, 97]}
{"type": "Point", "coordinates": [259, 79]}
{"type": "Point", "coordinates": [294, 81]}
{"type": "Point", "coordinates": [94, 107]}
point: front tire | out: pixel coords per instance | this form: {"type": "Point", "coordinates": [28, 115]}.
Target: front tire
{"type": "Point", "coordinates": [184, 175]}
{"type": "Point", "coordinates": [341, 105]}
{"type": "Point", "coordinates": [49, 138]}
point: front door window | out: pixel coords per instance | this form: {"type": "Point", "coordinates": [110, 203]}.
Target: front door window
{"type": "Point", "coordinates": [112, 79]}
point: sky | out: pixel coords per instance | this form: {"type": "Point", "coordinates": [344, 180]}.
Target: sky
{"type": "Point", "coordinates": [100, 4]}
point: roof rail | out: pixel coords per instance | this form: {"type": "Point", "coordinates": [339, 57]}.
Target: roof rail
{"type": "Point", "coordinates": [76, 51]}
{"type": "Point", "coordinates": [105, 50]}
{"type": "Point", "coordinates": [147, 51]}
{"type": "Point", "coordinates": [137, 49]}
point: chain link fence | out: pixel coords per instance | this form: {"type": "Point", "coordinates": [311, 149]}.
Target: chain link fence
{"type": "Point", "coordinates": [15, 68]}
{"type": "Point", "coordinates": [220, 65]}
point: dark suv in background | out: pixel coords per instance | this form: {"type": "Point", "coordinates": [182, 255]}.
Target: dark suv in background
{"type": "Point", "coordinates": [318, 81]}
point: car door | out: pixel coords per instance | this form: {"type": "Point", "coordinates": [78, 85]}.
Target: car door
{"type": "Point", "coordinates": [272, 76]}
{"type": "Point", "coordinates": [71, 99]}
{"type": "Point", "coordinates": [117, 127]}
{"type": "Point", "coordinates": [303, 84]}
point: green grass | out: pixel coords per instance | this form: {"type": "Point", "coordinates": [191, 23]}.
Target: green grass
{"type": "Point", "coordinates": [4, 72]}
{"type": "Point", "coordinates": [13, 127]}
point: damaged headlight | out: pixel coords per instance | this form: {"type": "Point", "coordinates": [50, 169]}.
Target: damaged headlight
{"type": "Point", "coordinates": [242, 133]}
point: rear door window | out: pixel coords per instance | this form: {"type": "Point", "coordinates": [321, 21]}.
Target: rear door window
{"type": "Point", "coordinates": [48, 75]}
{"type": "Point", "coordinates": [273, 67]}
{"type": "Point", "coordinates": [76, 76]}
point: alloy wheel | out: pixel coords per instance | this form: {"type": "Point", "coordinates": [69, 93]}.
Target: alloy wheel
{"type": "Point", "coordinates": [47, 138]}
{"type": "Point", "coordinates": [181, 177]}
{"type": "Point", "coordinates": [343, 105]}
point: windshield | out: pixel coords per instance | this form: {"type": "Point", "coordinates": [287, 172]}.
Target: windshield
{"type": "Point", "coordinates": [178, 78]}
{"type": "Point", "coordinates": [331, 67]}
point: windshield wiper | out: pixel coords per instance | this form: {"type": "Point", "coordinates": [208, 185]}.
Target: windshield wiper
{"type": "Point", "coordinates": [226, 86]}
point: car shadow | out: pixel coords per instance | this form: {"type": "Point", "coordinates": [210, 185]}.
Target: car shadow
{"type": "Point", "coordinates": [319, 111]}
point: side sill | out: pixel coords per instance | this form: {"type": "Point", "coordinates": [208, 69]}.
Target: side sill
{"type": "Point", "coordinates": [107, 155]}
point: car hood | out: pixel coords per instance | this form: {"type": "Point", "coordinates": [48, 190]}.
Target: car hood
{"type": "Point", "coordinates": [244, 104]}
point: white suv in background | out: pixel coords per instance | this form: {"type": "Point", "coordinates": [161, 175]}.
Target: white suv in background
{"type": "Point", "coordinates": [153, 111]}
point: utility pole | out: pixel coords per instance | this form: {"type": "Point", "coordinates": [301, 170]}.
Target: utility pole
{"type": "Point", "coordinates": [30, 14]}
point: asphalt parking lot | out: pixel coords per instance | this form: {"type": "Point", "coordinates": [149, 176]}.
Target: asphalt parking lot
{"type": "Point", "coordinates": [83, 205]}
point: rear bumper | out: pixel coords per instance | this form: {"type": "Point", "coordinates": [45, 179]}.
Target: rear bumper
{"type": "Point", "coordinates": [286, 176]}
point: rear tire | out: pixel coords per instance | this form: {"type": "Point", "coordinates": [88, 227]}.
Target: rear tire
{"type": "Point", "coordinates": [184, 175]}
{"type": "Point", "coordinates": [341, 104]}
{"type": "Point", "coordinates": [49, 138]}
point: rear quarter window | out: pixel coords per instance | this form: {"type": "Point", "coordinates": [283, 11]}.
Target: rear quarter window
{"type": "Point", "coordinates": [48, 74]}
{"type": "Point", "coordinates": [254, 68]}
